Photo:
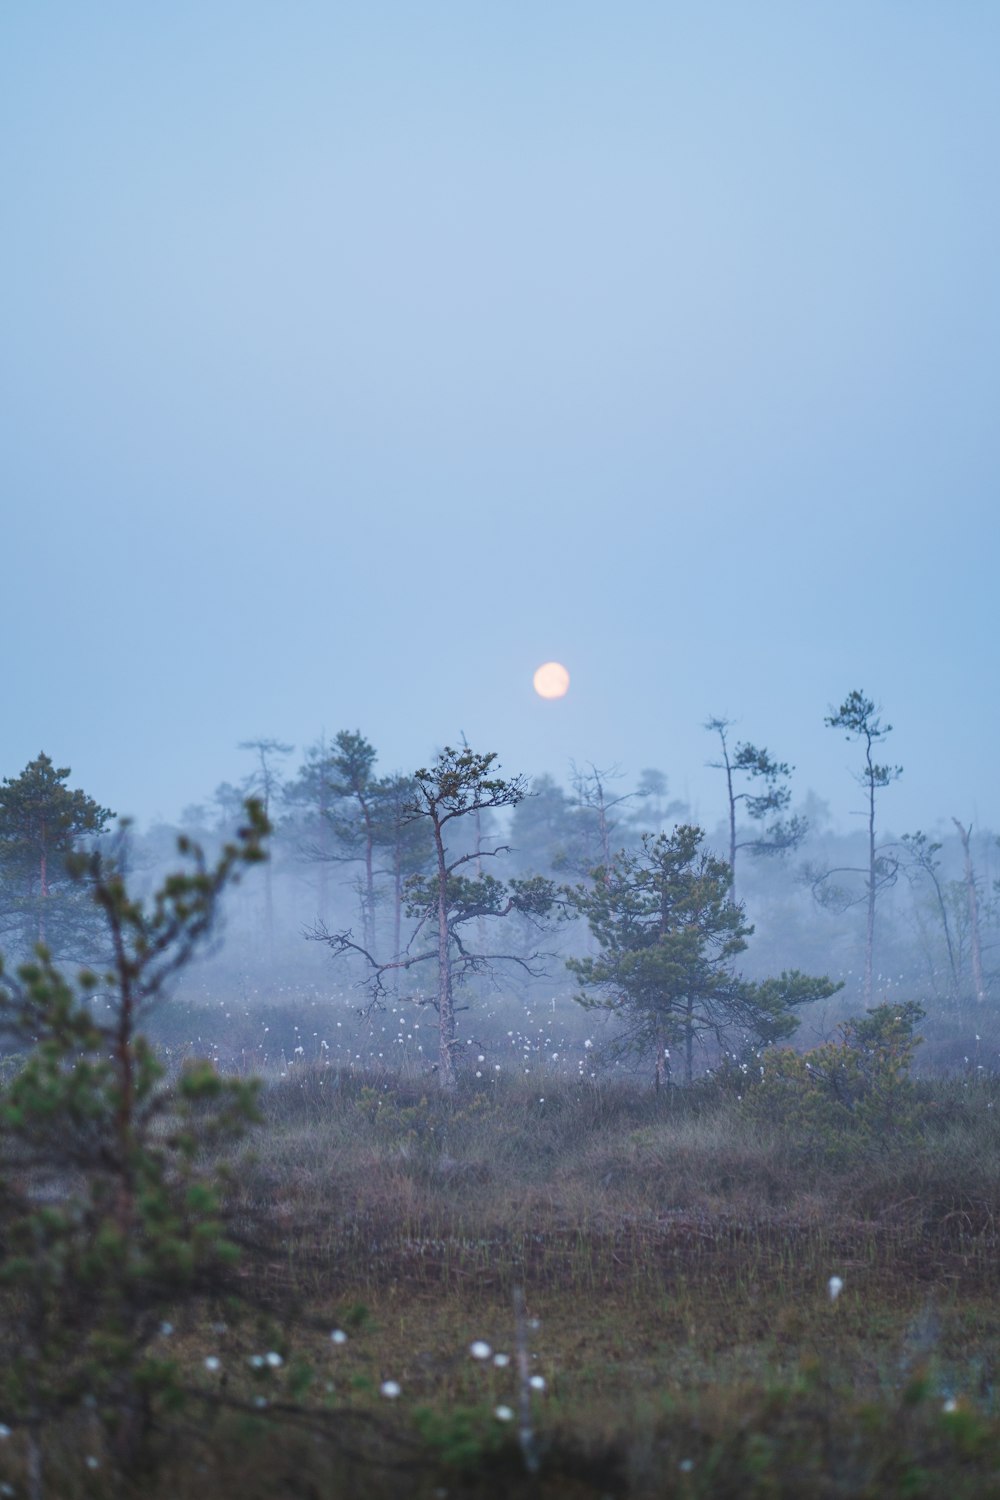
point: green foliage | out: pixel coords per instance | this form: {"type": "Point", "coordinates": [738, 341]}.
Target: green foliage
{"type": "Point", "coordinates": [443, 903]}
{"type": "Point", "coordinates": [859, 716]}
{"type": "Point", "coordinates": [462, 1437]}
{"type": "Point", "coordinates": [107, 1217]}
{"type": "Point", "coordinates": [849, 1097]}
{"type": "Point", "coordinates": [668, 934]}
{"type": "Point", "coordinates": [42, 823]}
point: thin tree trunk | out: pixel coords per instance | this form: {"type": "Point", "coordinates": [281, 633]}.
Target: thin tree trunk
{"type": "Point", "coordinates": [446, 1005]}
{"type": "Point", "coordinates": [732, 828]}
{"type": "Point", "coordinates": [953, 987]}
{"type": "Point", "coordinates": [689, 1044]}
{"type": "Point", "coordinates": [870, 925]}
{"type": "Point", "coordinates": [978, 983]}
{"type": "Point", "coordinates": [662, 1071]}
{"type": "Point", "coordinates": [43, 887]}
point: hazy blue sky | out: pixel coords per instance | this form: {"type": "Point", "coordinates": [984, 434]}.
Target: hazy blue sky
{"type": "Point", "coordinates": [357, 358]}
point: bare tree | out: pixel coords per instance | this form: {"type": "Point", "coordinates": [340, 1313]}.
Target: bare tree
{"type": "Point", "coordinates": [972, 898]}
{"type": "Point", "coordinates": [595, 805]}
{"type": "Point", "coordinates": [263, 783]}
{"type": "Point", "coordinates": [920, 859]}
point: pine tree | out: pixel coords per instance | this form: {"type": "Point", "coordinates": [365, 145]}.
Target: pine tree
{"type": "Point", "coordinates": [459, 784]}
{"type": "Point", "coordinates": [43, 823]}
{"type": "Point", "coordinates": [668, 934]}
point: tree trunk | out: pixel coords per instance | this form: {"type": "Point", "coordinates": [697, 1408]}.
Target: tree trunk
{"type": "Point", "coordinates": [662, 1066]}
{"type": "Point", "coordinates": [43, 887]}
{"type": "Point", "coordinates": [689, 1044]}
{"type": "Point", "coordinates": [870, 924]}
{"type": "Point", "coordinates": [446, 1004]}
{"type": "Point", "coordinates": [952, 964]}
{"type": "Point", "coordinates": [978, 983]}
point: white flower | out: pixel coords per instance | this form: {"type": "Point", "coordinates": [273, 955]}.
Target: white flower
{"type": "Point", "coordinates": [479, 1349]}
{"type": "Point", "coordinates": [537, 1382]}
{"type": "Point", "coordinates": [256, 1361]}
{"type": "Point", "coordinates": [338, 1336]}
{"type": "Point", "coordinates": [274, 1359]}
{"type": "Point", "coordinates": [391, 1389]}
{"type": "Point", "coordinates": [834, 1287]}
{"type": "Point", "coordinates": [501, 1361]}
{"type": "Point", "coordinates": [686, 1465]}
{"type": "Point", "coordinates": [503, 1414]}
{"type": "Point", "coordinates": [950, 1405]}
{"type": "Point", "coordinates": [166, 1329]}
{"type": "Point", "coordinates": [213, 1363]}
{"type": "Point", "coordinates": [91, 1462]}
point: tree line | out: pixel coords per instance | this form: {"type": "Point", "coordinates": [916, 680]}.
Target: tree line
{"type": "Point", "coordinates": [458, 872]}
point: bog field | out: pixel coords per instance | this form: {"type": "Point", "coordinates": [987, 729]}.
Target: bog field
{"type": "Point", "coordinates": [541, 1285]}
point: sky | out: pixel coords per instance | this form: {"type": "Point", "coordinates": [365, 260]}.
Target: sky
{"type": "Point", "coordinates": [357, 358]}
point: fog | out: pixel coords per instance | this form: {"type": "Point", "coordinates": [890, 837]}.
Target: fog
{"type": "Point", "coordinates": [354, 364]}
{"type": "Point", "coordinates": [273, 993]}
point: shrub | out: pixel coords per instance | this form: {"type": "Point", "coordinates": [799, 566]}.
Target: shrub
{"type": "Point", "coordinates": [846, 1097]}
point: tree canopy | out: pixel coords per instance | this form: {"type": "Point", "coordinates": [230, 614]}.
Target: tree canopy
{"type": "Point", "coordinates": [42, 823]}
{"type": "Point", "coordinates": [668, 934]}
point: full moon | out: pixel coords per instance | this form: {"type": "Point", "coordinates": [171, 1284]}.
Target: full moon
{"type": "Point", "coordinates": [551, 680]}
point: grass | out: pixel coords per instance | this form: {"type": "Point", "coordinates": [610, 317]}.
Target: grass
{"type": "Point", "coordinates": [674, 1253]}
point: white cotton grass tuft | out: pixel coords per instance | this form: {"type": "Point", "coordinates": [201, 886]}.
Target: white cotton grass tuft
{"type": "Point", "coordinates": [501, 1361]}
{"type": "Point", "coordinates": [951, 1404]}
{"type": "Point", "coordinates": [4, 1432]}
{"type": "Point", "coordinates": [274, 1359]}
{"type": "Point", "coordinates": [480, 1349]}
{"type": "Point", "coordinates": [537, 1382]}
{"type": "Point", "coordinates": [213, 1363]}
{"type": "Point", "coordinates": [503, 1414]}
{"type": "Point", "coordinates": [338, 1336]}
{"type": "Point", "coordinates": [834, 1288]}
{"type": "Point", "coordinates": [391, 1389]}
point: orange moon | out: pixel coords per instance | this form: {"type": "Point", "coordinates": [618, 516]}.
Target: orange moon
{"type": "Point", "coordinates": [551, 680]}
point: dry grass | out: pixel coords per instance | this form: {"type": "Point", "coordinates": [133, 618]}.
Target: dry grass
{"type": "Point", "coordinates": [675, 1255]}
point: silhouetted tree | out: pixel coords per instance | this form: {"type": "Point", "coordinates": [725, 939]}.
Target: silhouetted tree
{"type": "Point", "coordinates": [264, 783]}
{"type": "Point", "coordinates": [404, 841]}
{"type": "Point", "coordinates": [541, 826]}
{"type": "Point", "coordinates": [859, 716]}
{"type": "Point", "coordinates": [972, 900]}
{"type": "Point", "coordinates": [353, 814]}
{"type": "Point", "coordinates": [919, 860]}
{"type": "Point", "coordinates": [761, 770]}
